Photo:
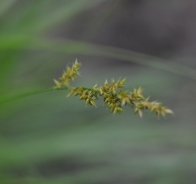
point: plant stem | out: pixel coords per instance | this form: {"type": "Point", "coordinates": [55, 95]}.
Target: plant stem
{"type": "Point", "coordinates": [6, 99]}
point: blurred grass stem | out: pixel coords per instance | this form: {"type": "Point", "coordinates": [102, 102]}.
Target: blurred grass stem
{"type": "Point", "coordinates": [6, 99]}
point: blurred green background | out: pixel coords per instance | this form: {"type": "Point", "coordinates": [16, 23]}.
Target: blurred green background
{"type": "Point", "coordinates": [48, 138]}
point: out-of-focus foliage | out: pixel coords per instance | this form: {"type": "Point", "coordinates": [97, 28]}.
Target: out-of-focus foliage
{"type": "Point", "coordinates": [48, 138]}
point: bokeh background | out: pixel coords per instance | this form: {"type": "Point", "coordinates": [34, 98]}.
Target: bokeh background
{"type": "Point", "coordinates": [48, 138]}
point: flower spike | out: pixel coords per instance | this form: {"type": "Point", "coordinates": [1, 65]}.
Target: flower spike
{"type": "Point", "coordinates": [69, 74]}
{"type": "Point", "coordinates": [112, 93]}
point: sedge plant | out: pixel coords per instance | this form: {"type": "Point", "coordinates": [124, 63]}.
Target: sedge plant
{"type": "Point", "coordinates": [113, 93]}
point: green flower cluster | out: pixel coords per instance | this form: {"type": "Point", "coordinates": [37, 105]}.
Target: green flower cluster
{"type": "Point", "coordinates": [69, 74]}
{"type": "Point", "coordinates": [112, 94]}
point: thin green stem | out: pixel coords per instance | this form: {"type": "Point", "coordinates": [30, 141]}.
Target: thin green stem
{"type": "Point", "coordinates": [90, 89]}
{"type": "Point", "coordinates": [6, 99]}
{"type": "Point", "coordinates": [74, 47]}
